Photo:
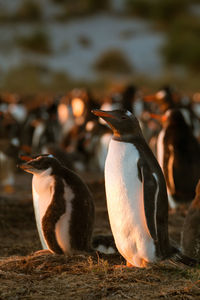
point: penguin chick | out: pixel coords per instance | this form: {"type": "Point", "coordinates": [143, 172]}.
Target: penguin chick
{"type": "Point", "coordinates": [136, 194]}
{"type": "Point", "coordinates": [178, 153]}
{"type": "Point", "coordinates": [63, 206]}
{"type": "Point", "coordinates": [190, 236]}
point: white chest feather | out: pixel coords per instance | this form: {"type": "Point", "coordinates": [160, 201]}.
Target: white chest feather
{"type": "Point", "coordinates": [43, 190]}
{"type": "Point", "coordinates": [43, 187]}
{"type": "Point", "coordinates": [125, 203]}
{"type": "Point", "coordinates": [160, 157]}
{"type": "Point", "coordinates": [160, 147]}
{"type": "Point", "coordinates": [103, 150]}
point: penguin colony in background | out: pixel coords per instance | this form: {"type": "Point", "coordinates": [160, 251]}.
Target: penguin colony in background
{"type": "Point", "coordinates": [190, 237]}
{"type": "Point", "coordinates": [136, 194]}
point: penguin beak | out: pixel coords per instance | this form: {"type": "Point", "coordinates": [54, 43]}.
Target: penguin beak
{"type": "Point", "coordinates": [27, 168]}
{"type": "Point", "coordinates": [160, 118]}
{"type": "Point", "coordinates": [103, 114]}
{"type": "Point", "coordinates": [25, 149]}
{"type": "Point", "coordinates": [150, 98]}
{"type": "Point", "coordinates": [25, 157]}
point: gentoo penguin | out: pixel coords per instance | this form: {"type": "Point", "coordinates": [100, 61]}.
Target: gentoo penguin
{"type": "Point", "coordinates": [166, 98]}
{"type": "Point", "coordinates": [63, 205]}
{"type": "Point", "coordinates": [97, 138]}
{"type": "Point", "coordinates": [190, 236]}
{"type": "Point", "coordinates": [136, 193]}
{"type": "Point", "coordinates": [178, 153]}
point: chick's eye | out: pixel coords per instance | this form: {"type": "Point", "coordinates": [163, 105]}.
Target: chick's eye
{"type": "Point", "coordinates": [123, 117]}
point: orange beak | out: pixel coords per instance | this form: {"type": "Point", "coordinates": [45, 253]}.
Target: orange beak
{"type": "Point", "coordinates": [160, 118]}
{"type": "Point", "coordinates": [24, 167]}
{"type": "Point", "coordinates": [150, 98]}
{"type": "Point", "coordinates": [102, 113]}
{"type": "Point", "coordinates": [25, 157]}
{"type": "Point", "coordinates": [26, 148]}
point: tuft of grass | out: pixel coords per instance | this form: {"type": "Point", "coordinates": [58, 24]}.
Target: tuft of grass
{"type": "Point", "coordinates": [38, 42]}
{"type": "Point", "coordinates": [102, 266]}
{"type": "Point", "coordinates": [113, 61]}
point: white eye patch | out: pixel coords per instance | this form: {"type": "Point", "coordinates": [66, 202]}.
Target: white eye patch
{"type": "Point", "coordinates": [128, 113]}
{"type": "Point", "coordinates": [161, 94]}
{"type": "Point", "coordinates": [89, 126]}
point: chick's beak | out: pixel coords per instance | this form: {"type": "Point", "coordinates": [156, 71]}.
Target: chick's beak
{"type": "Point", "coordinates": [26, 168]}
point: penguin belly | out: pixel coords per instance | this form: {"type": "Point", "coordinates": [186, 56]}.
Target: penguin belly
{"type": "Point", "coordinates": [125, 202]}
{"type": "Point", "coordinates": [169, 166]}
{"type": "Point", "coordinates": [160, 147]}
{"type": "Point", "coordinates": [42, 189]}
{"type": "Point", "coordinates": [103, 150]}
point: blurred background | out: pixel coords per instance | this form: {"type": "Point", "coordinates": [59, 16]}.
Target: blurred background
{"type": "Point", "coordinates": [55, 45]}
{"type": "Point", "coordinates": [61, 58]}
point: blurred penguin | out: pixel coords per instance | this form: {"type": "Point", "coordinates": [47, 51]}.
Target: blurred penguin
{"type": "Point", "coordinates": [178, 153]}
{"type": "Point", "coordinates": [190, 238]}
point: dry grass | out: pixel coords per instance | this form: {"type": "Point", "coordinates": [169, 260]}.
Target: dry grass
{"type": "Point", "coordinates": [26, 273]}
{"type": "Point", "coordinates": [44, 275]}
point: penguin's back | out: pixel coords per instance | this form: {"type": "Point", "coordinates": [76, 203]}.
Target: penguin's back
{"type": "Point", "coordinates": [125, 203]}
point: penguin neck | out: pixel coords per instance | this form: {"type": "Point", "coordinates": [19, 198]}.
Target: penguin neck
{"type": "Point", "coordinates": [47, 172]}
{"type": "Point", "coordinates": [127, 138]}
{"type": "Point", "coordinates": [141, 145]}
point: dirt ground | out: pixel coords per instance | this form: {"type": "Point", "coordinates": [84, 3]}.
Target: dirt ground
{"type": "Point", "coordinates": [27, 274]}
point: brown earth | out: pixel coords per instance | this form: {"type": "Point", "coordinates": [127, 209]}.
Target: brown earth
{"type": "Point", "coordinates": [28, 274]}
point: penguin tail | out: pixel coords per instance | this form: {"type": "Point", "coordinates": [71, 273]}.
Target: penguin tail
{"type": "Point", "coordinates": [104, 244]}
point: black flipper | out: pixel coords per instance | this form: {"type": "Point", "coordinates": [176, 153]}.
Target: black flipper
{"type": "Point", "coordinates": [51, 218]}
{"type": "Point", "coordinates": [150, 191]}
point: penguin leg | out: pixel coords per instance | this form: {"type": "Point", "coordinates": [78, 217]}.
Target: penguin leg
{"type": "Point", "coordinates": [172, 203]}
{"type": "Point", "coordinates": [140, 263]}
{"type": "Point", "coordinates": [144, 264]}
{"type": "Point", "coordinates": [43, 252]}
{"type": "Point", "coordinates": [129, 265]}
